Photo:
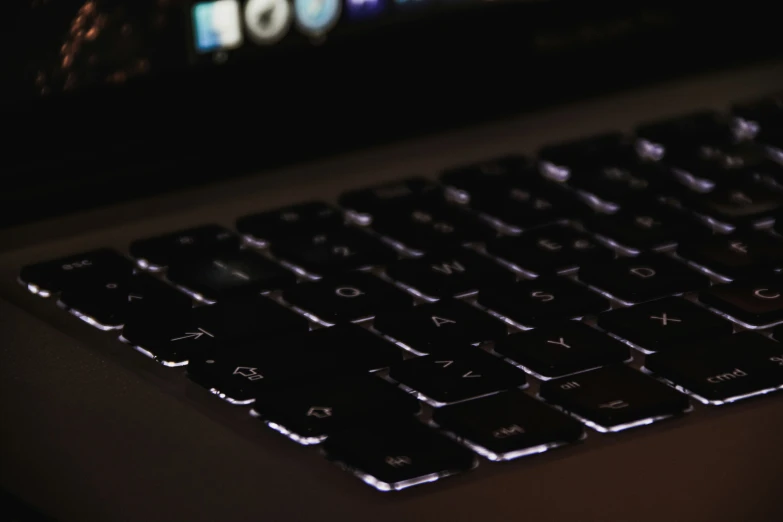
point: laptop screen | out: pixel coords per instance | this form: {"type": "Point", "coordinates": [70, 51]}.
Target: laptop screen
{"type": "Point", "coordinates": [67, 45]}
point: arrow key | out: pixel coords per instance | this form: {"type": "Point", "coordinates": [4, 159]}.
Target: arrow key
{"type": "Point", "coordinates": [309, 410]}
{"type": "Point", "coordinates": [465, 373]}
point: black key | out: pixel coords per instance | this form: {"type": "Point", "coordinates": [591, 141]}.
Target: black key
{"type": "Point", "coordinates": [396, 194]}
{"type": "Point", "coordinates": [461, 373]}
{"type": "Point", "coordinates": [395, 455]}
{"type": "Point", "coordinates": [765, 112]}
{"type": "Point", "coordinates": [162, 251]}
{"type": "Point", "coordinates": [726, 165]}
{"type": "Point", "coordinates": [687, 132]}
{"type": "Point", "coordinates": [309, 410]}
{"type": "Point", "coordinates": [741, 205]}
{"type": "Point", "coordinates": [349, 297]}
{"type": "Point", "coordinates": [495, 174]}
{"type": "Point", "coordinates": [107, 304]}
{"type": "Point", "coordinates": [172, 338]}
{"type": "Point", "coordinates": [428, 227]}
{"type": "Point", "coordinates": [96, 266]}
{"type": "Point", "coordinates": [595, 152]}
{"type": "Point", "coordinates": [610, 188]}
{"type": "Point", "coordinates": [250, 317]}
{"type": "Point", "coordinates": [239, 372]}
{"type": "Point", "coordinates": [756, 301]}
{"type": "Point", "coordinates": [723, 370]}
{"type": "Point", "coordinates": [452, 274]}
{"type": "Point", "coordinates": [645, 227]}
{"type": "Point", "coordinates": [562, 349]}
{"type": "Point", "coordinates": [448, 321]}
{"type": "Point", "coordinates": [549, 250]}
{"type": "Point", "coordinates": [735, 255]}
{"type": "Point", "coordinates": [282, 223]}
{"type": "Point", "coordinates": [643, 278]}
{"type": "Point", "coordinates": [523, 207]}
{"type": "Point", "coordinates": [508, 425]}
{"type": "Point", "coordinates": [614, 398]}
{"type": "Point", "coordinates": [664, 324]}
{"type": "Point", "coordinates": [541, 301]}
{"type": "Point", "coordinates": [229, 274]}
{"type": "Point", "coordinates": [336, 251]}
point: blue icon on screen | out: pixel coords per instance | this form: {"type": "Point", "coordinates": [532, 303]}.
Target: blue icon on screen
{"type": "Point", "coordinates": [364, 8]}
{"type": "Point", "coordinates": [316, 17]}
{"type": "Point", "coordinates": [217, 25]}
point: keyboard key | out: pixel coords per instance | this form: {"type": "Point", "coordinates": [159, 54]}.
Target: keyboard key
{"type": "Point", "coordinates": [396, 455]}
{"type": "Point", "coordinates": [396, 194]}
{"type": "Point", "coordinates": [646, 227]}
{"type": "Point", "coordinates": [756, 301]}
{"type": "Point", "coordinates": [549, 250]}
{"type": "Point", "coordinates": [460, 373]}
{"type": "Point", "coordinates": [723, 370]}
{"type": "Point", "coordinates": [249, 317]}
{"type": "Point", "coordinates": [590, 153]}
{"type": "Point", "coordinates": [741, 205]}
{"type": "Point", "coordinates": [452, 274]}
{"type": "Point", "coordinates": [541, 301]}
{"type": "Point", "coordinates": [172, 338]}
{"type": "Point", "coordinates": [449, 321]}
{"type": "Point", "coordinates": [664, 324]}
{"type": "Point", "coordinates": [332, 252]}
{"type": "Point", "coordinates": [107, 304]}
{"type": "Point", "coordinates": [685, 133]}
{"type": "Point", "coordinates": [562, 349]}
{"type": "Point", "coordinates": [508, 425]}
{"type": "Point", "coordinates": [309, 410]}
{"type": "Point", "coordinates": [348, 297]}
{"type": "Point", "coordinates": [229, 274]}
{"type": "Point", "coordinates": [162, 251]}
{"type": "Point", "coordinates": [295, 220]}
{"type": "Point", "coordinates": [615, 398]}
{"type": "Point", "coordinates": [610, 188]}
{"type": "Point", "coordinates": [735, 255]}
{"type": "Point", "coordinates": [238, 372]}
{"type": "Point", "coordinates": [495, 174]}
{"type": "Point", "coordinates": [523, 207]}
{"type": "Point", "coordinates": [96, 266]}
{"type": "Point", "coordinates": [643, 278]}
{"type": "Point", "coordinates": [428, 227]}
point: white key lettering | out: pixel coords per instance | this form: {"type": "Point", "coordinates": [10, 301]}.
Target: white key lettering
{"type": "Point", "coordinates": [739, 246]}
{"type": "Point", "coordinates": [549, 245]}
{"type": "Point", "coordinates": [614, 405]}
{"type": "Point", "coordinates": [442, 320]}
{"type": "Point", "coordinates": [664, 319]}
{"type": "Point", "coordinates": [777, 359]}
{"type": "Point", "coordinates": [766, 293]}
{"type": "Point", "coordinates": [545, 298]}
{"type": "Point", "coordinates": [347, 291]}
{"type": "Point", "coordinates": [643, 272]}
{"type": "Point", "coordinates": [740, 198]}
{"type": "Point", "coordinates": [398, 462]}
{"type": "Point", "coordinates": [508, 431]}
{"type": "Point", "coordinates": [560, 342]}
{"type": "Point", "coordinates": [449, 268]}
{"type": "Point", "coordinates": [570, 385]}
{"type": "Point", "coordinates": [726, 377]}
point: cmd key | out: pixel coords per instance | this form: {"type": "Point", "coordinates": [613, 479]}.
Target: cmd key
{"type": "Point", "coordinates": [724, 370]}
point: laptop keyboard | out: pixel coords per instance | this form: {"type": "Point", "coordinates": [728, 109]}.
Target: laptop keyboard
{"type": "Point", "coordinates": [615, 279]}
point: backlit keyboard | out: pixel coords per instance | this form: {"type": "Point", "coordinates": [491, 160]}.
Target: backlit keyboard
{"type": "Point", "coordinates": [508, 308]}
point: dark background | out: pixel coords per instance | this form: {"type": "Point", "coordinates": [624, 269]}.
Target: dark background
{"type": "Point", "coordinates": [122, 139]}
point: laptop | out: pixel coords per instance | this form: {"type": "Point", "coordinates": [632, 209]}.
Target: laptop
{"type": "Point", "coordinates": [392, 260]}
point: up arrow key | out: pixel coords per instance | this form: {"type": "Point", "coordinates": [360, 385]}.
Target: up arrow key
{"type": "Point", "coordinates": [469, 375]}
